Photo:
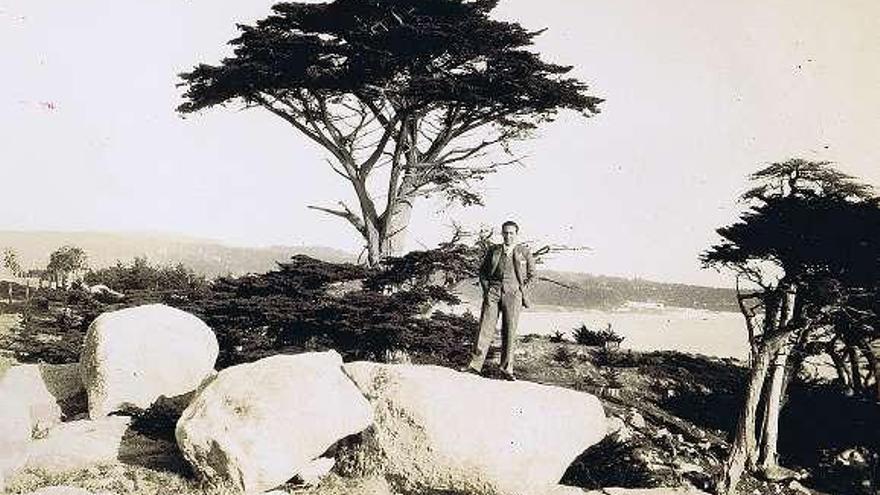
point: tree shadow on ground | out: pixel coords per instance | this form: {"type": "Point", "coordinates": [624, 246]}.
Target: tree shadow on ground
{"type": "Point", "coordinates": [150, 439]}
{"type": "Point", "coordinates": [818, 424]}
{"type": "Point", "coordinates": [705, 391]}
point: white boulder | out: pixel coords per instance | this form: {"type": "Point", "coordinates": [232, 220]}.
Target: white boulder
{"type": "Point", "coordinates": [438, 430]}
{"type": "Point", "coordinates": [102, 292]}
{"type": "Point", "coordinates": [15, 435]}
{"type": "Point", "coordinates": [259, 424]}
{"type": "Point", "coordinates": [84, 444]}
{"type": "Point", "coordinates": [133, 356]}
{"type": "Point", "coordinates": [51, 392]}
{"type": "Point", "coordinates": [78, 445]}
{"type": "Point", "coordinates": [15, 420]}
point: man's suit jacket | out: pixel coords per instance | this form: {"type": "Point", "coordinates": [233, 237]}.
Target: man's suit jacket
{"type": "Point", "coordinates": [523, 265]}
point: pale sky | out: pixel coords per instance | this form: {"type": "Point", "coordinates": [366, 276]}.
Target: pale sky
{"type": "Point", "coordinates": [699, 94]}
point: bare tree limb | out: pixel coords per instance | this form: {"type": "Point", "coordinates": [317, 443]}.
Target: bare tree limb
{"type": "Point", "coordinates": [345, 213]}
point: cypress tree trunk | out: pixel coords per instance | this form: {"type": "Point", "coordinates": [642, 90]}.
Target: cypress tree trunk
{"type": "Point", "coordinates": [842, 370]}
{"type": "Point", "coordinates": [856, 374]}
{"type": "Point", "coordinates": [374, 244]}
{"type": "Point", "coordinates": [394, 232]}
{"type": "Point", "coordinates": [871, 348]}
{"type": "Point", "coordinates": [773, 405]}
{"type": "Point", "coordinates": [743, 451]}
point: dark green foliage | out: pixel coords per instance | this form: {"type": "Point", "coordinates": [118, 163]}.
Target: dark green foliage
{"type": "Point", "coordinates": [45, 337]}
{"type": "Point", "coordinates": [445, 52]}
{"type": "Point", "coordinates": [810, 237]}
{"type": "Point", "coordinates": [446, 267]}
{"type": "Point", "coordinates": [608, 337]}
{"type": "Point", "coordinates": [820, 227]}
{"type": "Point", "coordinates": [562, 355]}
{"type": "Point", "coordinates": [304, 305]}
{"type": "Point", "coordinates": [54, 322]}
{"type": "Point", "coordinates": [300, 307]}
{"type": "Point", "coordinates": [611, 462]}
{"type": "Point", "coordinates": [557, 337]}
{"type": "Point", "coordinates": [18, 293]}
{"type": "Point", "coordinates": [65, 261]}
{"type": "Point", "coordinates": [814, 232]}
{"type": "Point", "coordinates": [799, 177]}
{"type": "Point", "coordinates": [140, 275]}
{"type": "Point", "coordinates": [612, 376]}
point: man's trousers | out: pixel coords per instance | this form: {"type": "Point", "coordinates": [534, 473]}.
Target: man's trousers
{"type": "Point", "coordinates": [506, 300]}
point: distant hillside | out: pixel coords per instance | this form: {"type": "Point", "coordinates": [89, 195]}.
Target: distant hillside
{"type": "Point", "coordinates": [206, 257]}
{"type": "Point", "coordinates": [211, 258]}
{"type": "Point", "coordinates": [581, 290]}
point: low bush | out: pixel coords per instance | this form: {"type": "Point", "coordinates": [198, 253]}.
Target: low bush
{"type": "Point", "coordinates": [611, 462]}
{"type": "Point", "coordinates": [586, 336]}
{"type": "Point", "coordinates": [140, 275]}
{"type": "Point", "coordinates": [563, 356]}
{"type": "Point", "coordinates": [297, 308]}
{"type": "Point", "coordinates": [303, 305]}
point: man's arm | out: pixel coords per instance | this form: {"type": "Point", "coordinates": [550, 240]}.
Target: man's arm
{"type": "Point", "coordinates": [484, 270]}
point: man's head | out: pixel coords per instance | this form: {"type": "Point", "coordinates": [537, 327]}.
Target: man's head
{"type": "Point", "coordinates": [509, 231]}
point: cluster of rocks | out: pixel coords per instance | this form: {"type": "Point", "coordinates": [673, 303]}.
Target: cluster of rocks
{"type": "Point", "coordinates": [258, 425]}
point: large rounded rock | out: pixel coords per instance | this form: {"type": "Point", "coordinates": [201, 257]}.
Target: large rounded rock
{"type": "Point", "coordinates": [133, 356]}
{"type": "Point", "coordinates": [258, 424]}
{"type": "Point", "coordinates": [437, 430]}
{"type": "Point", "coordinates": [51, 392]}
{"type": "Point", "coordinates": [79, 445]}
{"type": "Point", "coordinates": [15, 435]}
{"type": "Point", "coordinates": [15, 420]}
{"type": "Point", "coordinates": [84, 444]}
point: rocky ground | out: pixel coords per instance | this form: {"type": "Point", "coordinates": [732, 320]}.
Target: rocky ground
{"type": "Point", "coordinates": [671, 413]}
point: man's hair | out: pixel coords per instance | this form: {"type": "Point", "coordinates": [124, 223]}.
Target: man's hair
{"type": "Point", "coordinates": [512, 223]}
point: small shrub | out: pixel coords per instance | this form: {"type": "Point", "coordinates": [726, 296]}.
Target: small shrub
{"type": "Point", "coordinates": [140, 274]}
{"type": "Point", "coordinates": [612, 377]}
{"type": "Point", "coordinates": [606, 357]}
{"type": "Point", "coordinates": [611, 462]}
{"type": "Point", "coordinates": [557, 337]}
{"type": "Point", "coordinates": [583, 335]}
{"type": "Point", "coordinates": [563, 356]}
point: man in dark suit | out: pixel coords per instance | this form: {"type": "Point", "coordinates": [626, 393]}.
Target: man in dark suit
{"type": "Point", "coordinates": [506, 275]}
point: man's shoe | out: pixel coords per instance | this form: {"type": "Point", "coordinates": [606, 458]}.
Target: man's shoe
{"type": "Point", "coordinates": [508, 375]}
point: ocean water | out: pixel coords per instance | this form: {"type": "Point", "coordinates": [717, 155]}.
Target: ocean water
{"type": "Point", "coordinates": [711, 333]}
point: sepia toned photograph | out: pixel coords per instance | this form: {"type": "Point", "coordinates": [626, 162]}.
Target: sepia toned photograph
{"type": "Point", "coordinates": [440, 247]}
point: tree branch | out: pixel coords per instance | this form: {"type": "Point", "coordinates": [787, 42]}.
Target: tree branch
{"type": "Point", "coordinates": [345, 213]}
{"type": "Point", "coordinates": [367, 165]}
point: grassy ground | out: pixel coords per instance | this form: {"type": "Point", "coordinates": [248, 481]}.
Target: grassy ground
{"type": "Point", "coordinates": [7, 323]}
{"type": "Point", "coordinates": [131, 480]}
